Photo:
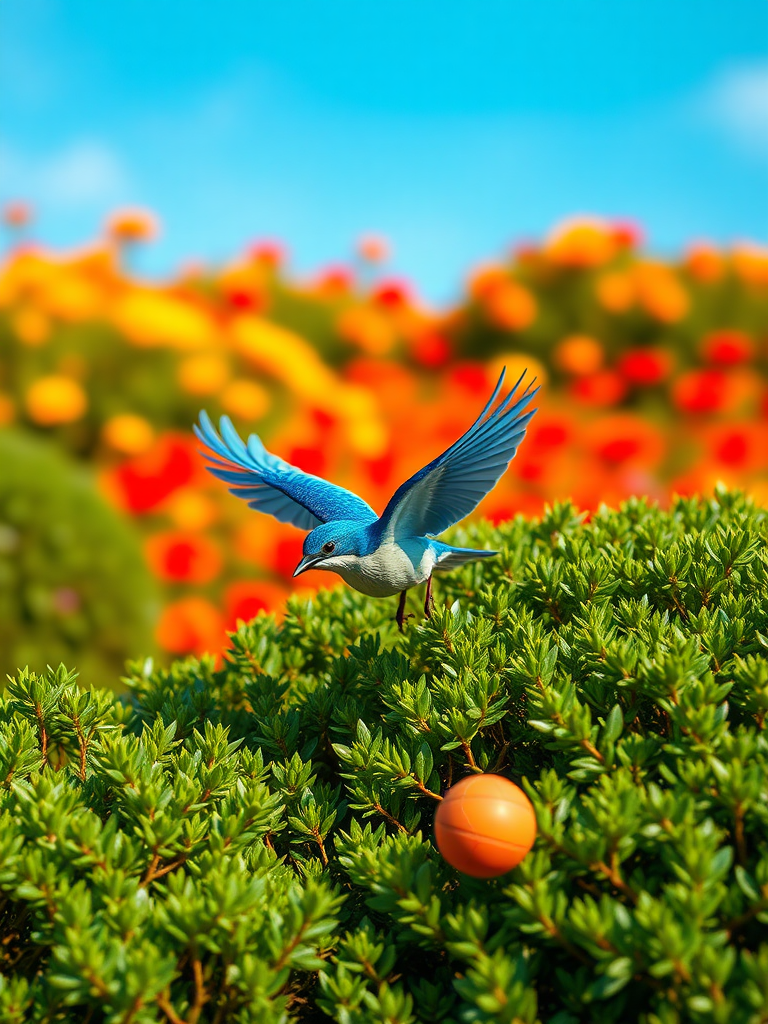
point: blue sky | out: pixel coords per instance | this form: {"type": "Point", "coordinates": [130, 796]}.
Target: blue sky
{"type": "Point", "coordinates": [455, 128]}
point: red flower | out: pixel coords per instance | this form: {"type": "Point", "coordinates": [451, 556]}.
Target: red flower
{"type": "Point", "coordinates": [644, 366]}
{"type": "Point", "coordinates": [288, 551]}
{"type": "Point", "coordinates": [733, 449]}
{"type": "Point", "coordinates": [627, 234]}
{"type": "Point", "coordinates": [245, 599]}
{"type": "Point", "coordinates": [248, 299]}
{"type": "Point", "coordinates": [605, 388]}
{"type": "Point", "coordinates": [183, 557]}
{"type": "Point", "coordinates": [311, 460]}
{"type": "Point", "coordinates": [727, 348]}
{"type": "Point", "coordinates": [144, 482]}
{"type": "Point", "coordinates": [392, 294]}
{"type": "Point", "coordinates": [431, 350]}
{"type": "Point", "coordinates": [471, 376]}
{"type": "Point", "coordinates": [700, 391]}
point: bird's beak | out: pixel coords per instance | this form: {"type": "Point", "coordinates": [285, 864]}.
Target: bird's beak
{"type": "Point", "coordinates": [306, 563]}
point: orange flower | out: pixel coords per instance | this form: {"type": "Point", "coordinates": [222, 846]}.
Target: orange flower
{"type": "Point", "coordinates": [191, 626]}
{"type": "Point", "coordinates": [483, 280]}
{"type": "Point", "coordinates": [366, 328]}
{"type": "Point", "coordinates": [581, 243]}
{"type": "Point", "coordinates": [373, 248]}
{"type": "Point", "coordinates": [268, 253]}
{"type": "Point", "coordinates": [727, 347]}
{"type": "Point", "coordinates": [333, 281]}
{"type": "Point", "coordinates": [704, 263]}
{"type": "Point", "coordinates": [510, 306]}
{"type": "Point", "coordinates": [203, 374]}
{"type": "Point", "coordinates": [55, 399]}
{"type": "Point", "coordinates": [579, 355]}
{"type": "Point", "coordinates": [128, 434]}
{"type": "Point", "coordinates": [31, 326]}
{"type": "Point", "coordinates": [615, 291]}
{"type": "Point", "coordinates": [17, 214]}
{"type": "Point", "coordinates": [660, 292]}
{"type": "Point", "coordinates": [751, 263]}
{"type": "Point", "coordinates": [183, 557]}
{"type": "Point", "coordinates": [7, 410]}
{"type": "Point", "coordinates": [132, 226]}
{"type": "Point", "coordinates": [644, 367]}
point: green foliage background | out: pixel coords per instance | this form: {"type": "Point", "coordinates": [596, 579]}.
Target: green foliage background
{"type": "Point", "coordinates": [73, 581]}
{"type": "Point", "coordinates": [254, 844]}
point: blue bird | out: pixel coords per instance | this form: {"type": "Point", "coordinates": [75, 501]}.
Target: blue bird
{"type": "Point", "coordinates": [378, 555]}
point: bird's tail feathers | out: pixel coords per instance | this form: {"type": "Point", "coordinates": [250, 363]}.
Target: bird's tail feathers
{"type": "Point", "coordinates": [459, 556]}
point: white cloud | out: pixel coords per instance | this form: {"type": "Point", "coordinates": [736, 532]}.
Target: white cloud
{"type": "Point", "coordinates": [736, 101]}
{"type": "Point", "coordinates": [85, 173]}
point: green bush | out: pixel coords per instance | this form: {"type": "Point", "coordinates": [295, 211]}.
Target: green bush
{"type": "Point", "coordinates": [73, 583]}
{"type": "Point", "coordinates": [254, 844]}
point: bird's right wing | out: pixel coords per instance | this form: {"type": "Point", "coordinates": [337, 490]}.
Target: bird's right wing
{"type": "Point", "coordinates": [271, 485]}
{"type": "Point", "coordinates": [449, 488]}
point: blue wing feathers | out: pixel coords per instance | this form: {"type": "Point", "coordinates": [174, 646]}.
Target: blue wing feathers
{"type": "Point", "coordinates": [453, 484]}
{"type": "Point", "coordinates": [273, 486]}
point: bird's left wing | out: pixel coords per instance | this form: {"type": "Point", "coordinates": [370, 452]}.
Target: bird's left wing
{"type": "Point", "coordinates": [272, 485]}
{"type": "Point", "coordinates": [454, 483]}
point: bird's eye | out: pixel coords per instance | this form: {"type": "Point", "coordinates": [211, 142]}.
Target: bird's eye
{"type": "Point", "coordinates": [328, 547]}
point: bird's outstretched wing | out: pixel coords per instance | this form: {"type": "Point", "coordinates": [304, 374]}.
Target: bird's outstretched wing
{"type": "Point", "coordinates": [454, 483]}
{"type": "Point", "coordinates": [271, 485]}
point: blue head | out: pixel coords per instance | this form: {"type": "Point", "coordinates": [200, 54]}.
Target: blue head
{"type": "Point", "coordinates": [329, 543]}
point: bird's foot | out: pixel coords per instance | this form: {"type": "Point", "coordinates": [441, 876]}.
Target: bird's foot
{"type": "Point", "coordinates": [401, 613]}
{"type": "Point", "coordinates": [400, 620]}
{"type": "Point", "coordinates": [429, 602]}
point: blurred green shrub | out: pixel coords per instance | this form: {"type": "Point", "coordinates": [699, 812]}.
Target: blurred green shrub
{"type": "Point", "coordinates": [253, 844]}
{"type": "Point", "coordinates": [74, 586]}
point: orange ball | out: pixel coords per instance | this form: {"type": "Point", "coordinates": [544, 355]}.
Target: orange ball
{"type": "Point", "coordinates": [485, 825]}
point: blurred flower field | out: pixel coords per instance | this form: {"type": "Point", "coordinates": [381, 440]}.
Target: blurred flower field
{"type": "Point", "coordinates": [655, 381]}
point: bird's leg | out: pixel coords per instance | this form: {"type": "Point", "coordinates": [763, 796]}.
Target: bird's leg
{"type": "Point", "coordinates": [428, 602]}
{"type": "Point", "coordinates": [401, 616]}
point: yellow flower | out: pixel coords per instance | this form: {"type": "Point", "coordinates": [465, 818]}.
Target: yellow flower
{"type": "Point", "coordinates": [128, 434]}
{"type": "Point", "coordinates": [55, 399]}
{"type": "Point", "coordinates": [515, 363]}
{"type": "Point", "coordinates": [31, 326]}
{"type": "Point", "coordinates": [246, 399]}
{"type": "Point", "coordinates": [583, 242]}
{"type": "Point", "coordinates": [190, 509]}
{"type": "Point", "coordinates": [205, 374]}
{"type": "Point", "coordinates": [286, 356]}
{"type": "Point", "coordinates": [368, 437]}
{"type": "Point", "coordinates": [71, 297]}
{"type": "Point", "coordinates": [148, 317]}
